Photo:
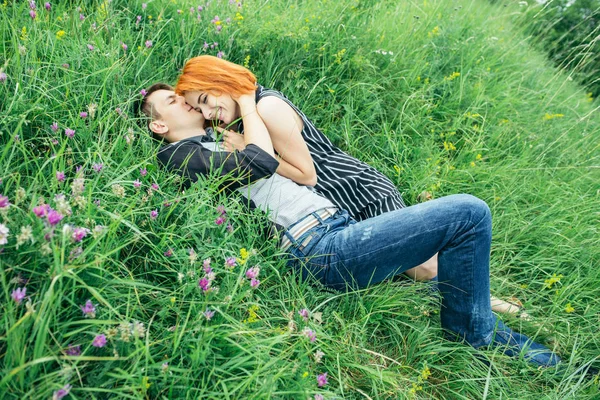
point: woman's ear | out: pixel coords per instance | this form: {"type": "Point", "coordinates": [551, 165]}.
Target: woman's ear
{"type": "Point", "coordinates": [159, 127]}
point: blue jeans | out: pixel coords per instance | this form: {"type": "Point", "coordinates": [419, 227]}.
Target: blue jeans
{"type": "Point", "coordinates": [341, 252]}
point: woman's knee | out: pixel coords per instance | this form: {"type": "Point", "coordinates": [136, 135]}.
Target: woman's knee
{"type": "Point", "coordinates": [426, 271]}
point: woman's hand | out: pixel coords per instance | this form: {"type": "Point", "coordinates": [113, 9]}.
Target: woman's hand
{"type": "Point", "coordinates": [231, 140]}
{"type": "Point", "coordinates": [247, 102]}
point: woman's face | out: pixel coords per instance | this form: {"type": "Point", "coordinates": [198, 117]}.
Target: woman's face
{"type": "Point", "coordinates": [222, 109]}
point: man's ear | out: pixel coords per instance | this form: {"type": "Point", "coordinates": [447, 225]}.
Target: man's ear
{"type": "Point", "coordinates": [158, 127]}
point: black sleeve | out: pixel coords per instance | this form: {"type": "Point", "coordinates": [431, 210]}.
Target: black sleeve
{"type": "Point", "coordinates": [238, 168]}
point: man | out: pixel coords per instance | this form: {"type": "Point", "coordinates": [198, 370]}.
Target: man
{"type": "Point", "coordinates": [324, 242]}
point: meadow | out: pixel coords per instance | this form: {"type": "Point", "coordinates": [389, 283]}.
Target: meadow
{"type": "Point", "coordinates": [104, 261]}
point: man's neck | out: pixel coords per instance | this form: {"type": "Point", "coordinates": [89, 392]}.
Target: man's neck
{"type": "Point", "coordinates": [186, 134]}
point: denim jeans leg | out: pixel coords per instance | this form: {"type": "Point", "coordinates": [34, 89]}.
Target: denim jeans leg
{"type": "Point", "coordinates": [456, 226]}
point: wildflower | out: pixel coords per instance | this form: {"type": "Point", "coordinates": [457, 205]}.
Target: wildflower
{"type": "Point", "coordinates": [548, 283]}
{"type": "Point", "coordinates": [425, 373]}
{"type": "Point", "coordinates": [204, 284]}
{"type": "Point", "coordinates": [230, 262]}
{"type": "Point", "coordinates": [3, 77]}
{"type": "Point", "coordinates": [143, 92]}
{"type": "Point", "coordinates": [138, 19]}
{"type": "Point", "coordinates": [69, 132]}
{"type": "Point", "coordinates": [219, 220]}
{"type": "Point", "coordinates": [254, 283]}
{"type": "Point", "coordinates": [318, 356]}
{"type": "Point", "coordinates": [569, 308]}
{"type": "Point", "coordinates": [97, 202]}
{"type": "Point", "coordinates": [220, 54]}
{"type": "Point", "coordinates": [79, 234]}
{"type": "Point", "coordinates": [552, 116]}
{"type": "Point", "coordinates": [229, 227]}
{"type": "Point", "coordinates": [65, 65]}
{"type": "Point", "coordinates": [89, 310]}
{"type": "Point", "coordinates": [97, 167]}
{"type": "Point", "coordinates": [154, 186]}
{"type": "Point", "coordinates": [25, 235]}
{"type": "Point", "coordinates": [168, 253]}
{"type": "Point", "coordinates": [118, 190]}
{"type": "Point", "coordinates": [73, 350]}
{"type": "Point", "coordinates": [54, 217]}
{"type": "Point", "coordinates": [20, 195]}
{"type": "Point", "coordinates": [205, 46]}
{"type": "Point", "coordinates": [137, 183]}
{"type": "Point", "coordinates": [54, 127]}
{"type": "Point", "coordinates": [4, 203]}
{"type": "Point", "coordinates": [90, 47]}
{"type": "Point", "coordinates": [64, 391]}
{"type": "Point", "coordinates": [143, 171]}
{"type": "Point", "coordinates": [47, 6]}
{"type": "Point", "coordinates": [252, 272]}
{"type": "Point", "coordinates": [310, 334]}
{"type": "Point", "coordinates": [218, 28]}
{"type": "Point", "coordinates": [452, 77]}
{"type": "Point", "coordinates": [99, 341]}
{"type": "Point", "coordinates": [124, 46]}
{"type": "Point", "coordinates": [42, 210]}
{"type": "Point", "coordinates": [153, 214]}
{"type": "Point", "coordinates": [148, 43]}
{"type": "Point", "coordinates": [144, 5]}
{"type": "Point", "coordinates": [77, 186]}
{"type": "Point", "coordinates": [119, 111]}
{"type": "Point", "coordinates": [19, 293]}
{"type": "Point", "coordinates": [221, 210]}
{"type": "Point", "coordinates": [322, 379]}
{"type": "Point", "coordinates": [75, 253]}
{"type": "Point", "coordinates": [318, 396]}
{"type": "Point", "coordinates": [179, 11]}
{"type": "Point", "coordinates": [206, 265]}
{"type": "Point", "coordinates": [208, 314]}
{"type": "Point", "coordinates": [98, 230]}
{"type": "Point", "coordinates": [304, 314]}
{"type": "Point", "coordinates": [83, 114]}
{"type": "Point", "coordinates": [32, 14]}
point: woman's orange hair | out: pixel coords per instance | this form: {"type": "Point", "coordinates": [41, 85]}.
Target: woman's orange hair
{"type": "Point", "coordinates": [215, 76]}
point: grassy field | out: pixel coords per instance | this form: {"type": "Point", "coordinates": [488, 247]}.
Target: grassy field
{"type": "Point", "coordinates": [444, 97]}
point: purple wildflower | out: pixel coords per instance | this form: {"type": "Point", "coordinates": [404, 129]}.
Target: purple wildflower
{"type": "Point", "coordinates": [304, 314]}
{"type": "Point", "coordinates": [89, 310]}
{"type": "Point", "coordinates": [75, 253]}
{"type": "Point", "coordinates": [220, 54]}
{"type": "Point", "coordinates": [204, 284]}
{"type": "Point", "coordinates": [4, 201]}
{"type": "Point", "coordinates": [252, 273]}
{"type": "Point", "coordinates": [154, 186]}
{"type": "Point", "coordinates": [215, 44]}
{"type": "Point", "coordinates": [215, 19]}
{"type": "Point", "coordinates": [98, 167]}
{"type": "Point", "coordinates": [54, 141]}
{"type": "Point", "coordinates": [168, 253]}
{"type": "Point", "coordinates": [322, 379]}
{"type": "Point", "coordinates": [65, 65]}
{"type": "Point", "coordinates": [229, 227]}
{"type": "Point", "coordinates": [18, 294]}
{"type": "Point", "coordinates": [60, 176]}
{"type": "Point", "coordinates": [143, 171]}
{"type": "Point", "coordinates": [83, 114]}
{"type": "Point", "coordinates": [144, 5]}
{"type": "Point", "coordinates": [228, 20]}
{"type": "Point", "coordinates": [254, 283]}
{"type": "Point", "coordinates": [124, 46]}
{"type": "Point", "coordinates": [32, 14]}
{"type": "Point", "coordinates": [90, 47]}
{"type": "Point", "coordinates": [99, 341]}
{"type": "Point", "coordinates": [61, 393]}
{"type": "Point", "coordinates": [148, 44]}
{"type": "Point", "coordinates": [137, 183]}
{"type": "Point", "coordinates": [138, 19]}
{"type": "Point", "coordinates": [41, 211]}
{"type": "Point", "coordinates": [309, 333]}
{"type": "Point", "coordinates": [200, 8]}
{"type": "Point", "coordinates": [97, 202]}
{"type": "Point", "coordinates": [206, 265]}
{"type": "Point", "coordinates": [230, 262]}
{"type": "Point", "coordinates": [73, 350]}
{"type": "Point", "coordinates": [219, 220]}
{"type": "Point", "coordinates": [221, 210]}
{"type": "Point", "coordinates": [81, 17]}
{"type": "Point", "coordinates": [219, 27]}
{"type": "Point", "coordinates": [78, 168]}
{"type": "Point", "coordinates": [79, 234]}
{"type": "Point", "coordinates": [32, 4]}
{"type": "Point", "coordinates": [153, 214]}
{"type": "Point", "coordinates": [209, 314]}
{"type": "Point", "coordinates": [3, 77]}
{"type": "Point", "coordinates": [54, 217]}
{"type": "Point", "coordinates": [205, 46]}
{"type": "Point", "coordinates": [143, 92]}
{"type": "Point", "coordinates": [54, 127]}
{"type": "Point", "coordinates": [318, 396]}
{"type": "Point", "coordinates": [48, 6]}
{"type": "Point", "coordinates": [118, 110]}
{"type": "Point", "coordinates": [70, 132]}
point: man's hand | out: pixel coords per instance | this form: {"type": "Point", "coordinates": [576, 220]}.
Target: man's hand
{"type": "Point", "coordinates": [231, 140]}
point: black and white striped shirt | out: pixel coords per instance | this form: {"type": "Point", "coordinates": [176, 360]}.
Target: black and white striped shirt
{"type": "Point", "coordinates": [349, 183]}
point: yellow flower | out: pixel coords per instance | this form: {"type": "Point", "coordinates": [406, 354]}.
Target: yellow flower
{"type": "Point", "coordinates": [426, 373]}
{"type": "Point", "coordinates": [449, 146]}
{"type": "Point", "coordinates": [426, 81]}
{"type": "Point", "coordinates": [472, 164]}
{"type": "Point", "coordinates": [238, 17]}
{"type": "Point", "coordinates": [569, 308]}
{"type": "Point", "coordinates": [247, 61]}
{"type": "Point", "coordinates": [305, 374]}
{"type": "Point", "coordinates": [398, 169]}
{"type": "Point", "coordinates": [451, 77]}
{"type": "Point", "coordinates": [146, 382]}
{"type": "Point", "coordinates": [24, 34]}
{"type": "Point", "coordinates": [173, 299]}
{"type": "Point", "coordinates": [552, 116]}
{"type": "Point", "coordinates": [551, 281]}
{"type": "Point", "coordinates": [434, 32]}
{"type": "Point", "coordinates": [60, 34]}
{"type": "Point", "coordinates": [589, 97]}
{"type": "Point", "coordinates": [478, 157]}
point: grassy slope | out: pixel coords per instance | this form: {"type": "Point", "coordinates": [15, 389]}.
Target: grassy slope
{"type": "Point", "coordinates": [538, 175]}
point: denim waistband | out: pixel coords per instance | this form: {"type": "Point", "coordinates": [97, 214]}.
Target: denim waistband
{"type": "Point", "coordinates": [303, 225]}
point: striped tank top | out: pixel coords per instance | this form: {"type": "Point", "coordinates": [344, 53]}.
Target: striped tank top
{"type": "Point", "coordinates": [349, 183]}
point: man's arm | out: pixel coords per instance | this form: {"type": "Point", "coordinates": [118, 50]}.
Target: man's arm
{"type": "Point", "coordinates": [240, 168]}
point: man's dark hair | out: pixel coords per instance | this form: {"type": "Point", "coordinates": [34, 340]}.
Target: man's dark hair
{"type": "Point", "coordinates": [145, 109]}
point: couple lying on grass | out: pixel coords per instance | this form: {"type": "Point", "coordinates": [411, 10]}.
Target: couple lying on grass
{"type": "Point", "coordinates": [340, 221]}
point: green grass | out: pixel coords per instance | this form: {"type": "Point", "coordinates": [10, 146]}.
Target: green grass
{"type": "Point", "coordinates": [457, 104]}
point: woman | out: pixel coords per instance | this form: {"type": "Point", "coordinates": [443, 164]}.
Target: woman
{"type": "Point", "coordinates": [305, 154]}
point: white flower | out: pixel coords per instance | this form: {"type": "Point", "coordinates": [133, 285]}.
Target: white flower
{"type": "Point", "coordinates": [25, 235]}
{"type": "Point", "coordinates": [3, 234]}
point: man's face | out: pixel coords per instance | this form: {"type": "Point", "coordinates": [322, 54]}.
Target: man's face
{"type": "Point", "coordinates": [214, 108]}
{"type": "Point", "coordinates": [175, 113]}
